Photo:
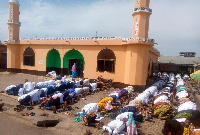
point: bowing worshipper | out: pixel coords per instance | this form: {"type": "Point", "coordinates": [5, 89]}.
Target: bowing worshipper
{"type": "Point", "coordinates": [9, 90]}
{"type": "Point", "coordinates": [13, 89]}
{"type": "Point", "coordinates": [136, 110]}
{"type": "Point", "coordinates": [25, 100]}
{"type": "Point", "coordinates": [90, 120]}
{"type": "Point", "coordinates": [186, 106]}
{"type": "Point", "coordinates": [31, 98]}
{"type": "Point", "coordinates": [172, 127]}
{"type": "Point", "coordinates": [72, 96]}
{"type": "Point", "coordinates": [101, 82]}
{"type": "Point", "coordinates": [52, 104]}
{"type": "Point", "coordinates": [44, 100]}
{"type": "Point", "coordinates": [60, 86]}
{"type": "Point", "coordinates": [162, 111]}
{"type": "Point", "coordinates": [116, 95]}
{"type": "Point", "coordinates": [131, 126]}
{"type": "Point", "coordinates": [80, 93]}
{"type": "Point", "coordinates": [74, 73]}
{"type": "Point", "coordinates": [102, 104]}
{"type": "Point", "coordinates": [60, 95]}
{"type": "Point", "coordinates": [28, 86]}
{"type": "Point", "coordinates": [21, 90]}
{"type": "Point", "coordinates": [86, 90]}
{"type": "Point", "coordinates": [109, 107]}
{"type": "Point", "coordinates": [114, 127]}
{"type": "Point", "coordinates": [86, 82]}
{"type": "Point", "coordinates": [124, 116]}
{"type": "Point", "coordinates": [129, 108]}
{"type": "Point", "coordinates": [162, 106]}
{"type": "Point", "coordinates": [91, 107]}
{"type": "Point", "coordinates": [93, 87]}
{"type": "Point", "coordinates": [67, 99]}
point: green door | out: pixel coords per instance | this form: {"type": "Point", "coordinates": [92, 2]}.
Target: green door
{"type": "Point", "coordinates": [71, 57]}
{"type": "Point", "coordinates": [53, 61]}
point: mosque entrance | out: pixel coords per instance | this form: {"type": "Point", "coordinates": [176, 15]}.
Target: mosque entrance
{"type": "Point", "coordinates": [53, 61]}
{"type": "Point", "coordinates": [79, 66]}
{"type": "Point", "coordinates": [71, 57]}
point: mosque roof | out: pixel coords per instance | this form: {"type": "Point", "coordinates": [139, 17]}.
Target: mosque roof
{"type": "Point", "coordinates": [14, 1]}
{"type": "Point", "coordinates": [179, 60]}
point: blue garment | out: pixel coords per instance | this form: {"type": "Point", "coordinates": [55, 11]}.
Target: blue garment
{"type": "Point", "coordinates": [74, 74]}
{"type": "Point", "coordinates": [58, 78]}
{"type": "Point", "coordinates": [71, 90]}
{"type": "Point", "coordinates": [131, 120]}
{"type": "Point", "coordinates": [50, 90]}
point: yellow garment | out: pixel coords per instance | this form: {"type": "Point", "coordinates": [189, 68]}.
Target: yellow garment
{"type": "Point", "coordinates": [186, 131]}
{"type": "Point", "coordinates": [102, 104]}
{"type": "Point", "coordinates": [161, 111]}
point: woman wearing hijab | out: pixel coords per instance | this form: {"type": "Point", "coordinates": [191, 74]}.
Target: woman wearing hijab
{"type": "Point", "coordinates": [131, 126]}
{"type": "Point", "coordinates": [109, 107]}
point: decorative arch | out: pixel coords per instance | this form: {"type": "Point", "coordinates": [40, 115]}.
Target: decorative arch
{"type": "Point", "coordinates": [53, 61]}
{"type": "Point", "coordinates": [71, 57]}
{"type": "Point", "coordinates": [106, 61]}
{"type": "Point", "coordinates": [29, 57]}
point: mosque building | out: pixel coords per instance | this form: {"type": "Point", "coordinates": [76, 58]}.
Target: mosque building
{"type": "Point", "coordinates": [126, 60]}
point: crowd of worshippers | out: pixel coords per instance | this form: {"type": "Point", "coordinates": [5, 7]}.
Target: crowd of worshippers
{"type": "Point", "coordinates": [185, 118]}
{"type": "Point", "coordinates": [54, 94]}
{"type": "Point", "coordinates": [156, 101]}
{"type": "Point", "coordinates": [167, 99]}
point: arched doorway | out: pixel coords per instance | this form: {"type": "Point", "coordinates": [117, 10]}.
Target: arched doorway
{"type": "Point", "coordinates": [106, 61]}
{"type": "Point", "coordinates": [71, 57]}
{"type": "Point", "coordinates": [29, 57]}
{"type": "Point", "coordinates": [53, 61]}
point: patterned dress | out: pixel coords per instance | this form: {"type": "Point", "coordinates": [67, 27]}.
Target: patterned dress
{"type": "Point", "coordinates": [161, 111]}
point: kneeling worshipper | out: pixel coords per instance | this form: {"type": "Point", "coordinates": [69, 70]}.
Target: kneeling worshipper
{"type": "Point", "coordinates": [25, 100]}
{"type": "Point", "coordinates": [13, 89]}
{"type": "Point", "coordinates": [28, 86]}
{"type": "Point", "coordinates": [91, 107]}
{"type": "Point", "coordinates": [185, 111]}
{"type": "Point", "coordinates": [109, 107]}
{"type": "Point", "coordinates": [114, 127]}
{"type": "Point", "coordinates": [103, 103]}
{"type": "Point", "coordinates": [116, 95]}
{"type": "Point", "coordinates": [90, 120]}
{"type": "Point", "coordinates": [30, 98]}
{"type": "Point", "coordinates": [161, 106]}
{"type": "Point", "coordinates": [52, 104]}
{"type": "Point", "coordinates": [129, 108]}
{"type": "Point", "coordinates": [131, 126]}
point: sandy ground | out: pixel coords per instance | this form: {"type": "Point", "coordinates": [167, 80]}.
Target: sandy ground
{"type": "Point", "coordinates": [14, 123]}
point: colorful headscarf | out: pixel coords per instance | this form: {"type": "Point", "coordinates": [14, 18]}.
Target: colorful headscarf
{"type": "Point", "coordinates": [109, 106]}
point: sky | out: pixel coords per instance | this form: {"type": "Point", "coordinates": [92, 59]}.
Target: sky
{"type": "Point", "coordinates": [174, 24]}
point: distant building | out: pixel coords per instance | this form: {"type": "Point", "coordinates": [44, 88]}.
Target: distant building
{"type": "Point", "coordinates": [187, 54]}
{"type": "Point", "coordinates": [126, 60]}
{"type": "Point", "coordinates": [3, 56]}
{"type": "Point", "coordinates": [178, 64]}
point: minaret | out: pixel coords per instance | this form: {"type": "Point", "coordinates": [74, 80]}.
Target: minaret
{"type": "Point", "coordinates": [13, 22]}
{"type": "Point", "coordinates": [141, 17]}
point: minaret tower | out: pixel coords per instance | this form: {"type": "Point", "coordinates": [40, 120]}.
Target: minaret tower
{"type": "Point", "coordinates": [141, 17]}
{"type": "Point", "coordinates": [13, 22]}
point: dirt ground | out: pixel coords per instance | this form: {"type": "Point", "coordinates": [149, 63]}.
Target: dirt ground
{"type": "Point", "coordinates": [13, 122]}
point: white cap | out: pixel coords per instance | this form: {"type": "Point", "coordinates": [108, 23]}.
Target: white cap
{"type": "Point", "coordinates": [14, 1]}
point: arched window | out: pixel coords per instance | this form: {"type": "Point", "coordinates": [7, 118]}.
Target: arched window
{"type": "Point", "coordinates": [29, 57]}
{"type": "Point", "coordinates": [106, 61]}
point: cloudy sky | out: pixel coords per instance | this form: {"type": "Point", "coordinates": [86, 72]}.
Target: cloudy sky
{"type": "Point", "coordinates": [174, 24]}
